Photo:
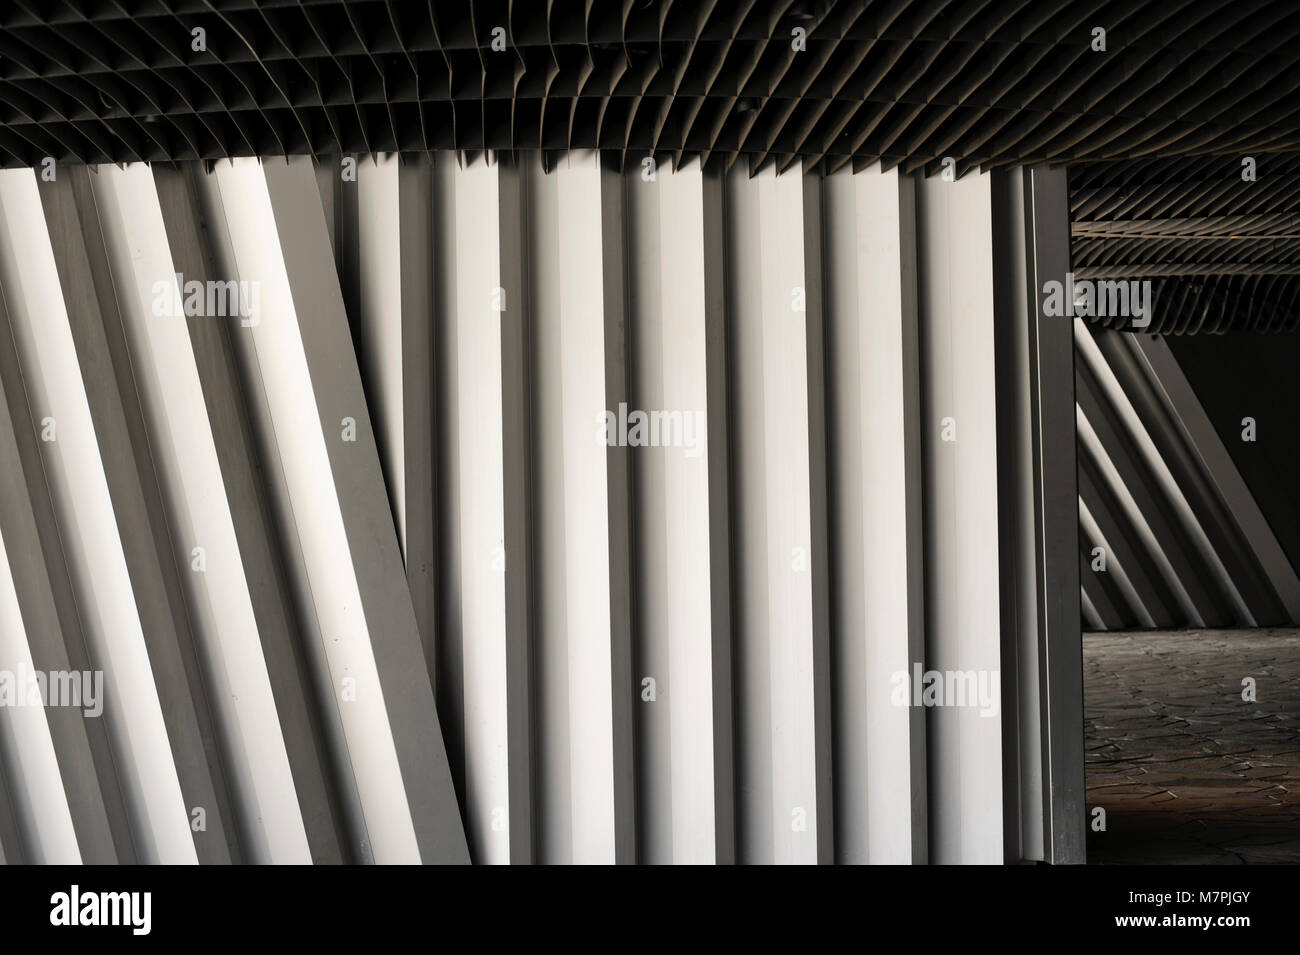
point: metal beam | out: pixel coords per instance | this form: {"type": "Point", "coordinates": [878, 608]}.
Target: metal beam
{"type": "Point", "coordinates": [1115, 435]}
{"type": "Point", "coordinates": [1116, 583]}
{"type": "Point", "coordinates": [1212, 462]}
{"type": "Point", "coordinates": [1055, 526]}
{"type": "Point", "coordinates": [1125, 542]}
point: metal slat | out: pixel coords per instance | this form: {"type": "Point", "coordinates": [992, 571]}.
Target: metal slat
{"type": "Point", "coordinates": [880, 772]}
{"type": "Point", "coordinates": [27, 749]}
{"type": "Point", "coordinates": [199, 245]}
{"type": "Point", "coordinates": [581, 497]}
{"type": "Point", "coordinates": [682, 597]}
{"type": "Point", "coordinates": [782, 654]}
{"type": "Point", "coordinates": [484, 668]}
{"type": "Point", "coordinates": [962, 559]}
{"type": "Point", "coordinates": [80, 489]}
{"type": "Point", "coordinates": [369, 650]}
{"type": "Point", "coordinates": [81, 745]}
{"type": "Point", "coordinates": [153, 562]}
{"type": "Point", "coordinates": [199, 518]}
{"type": "Point", "coordinates": [1218, 467]}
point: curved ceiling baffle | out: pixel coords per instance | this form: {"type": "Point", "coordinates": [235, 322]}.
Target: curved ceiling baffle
{"type": "Point", "coordinates": [992, 83]}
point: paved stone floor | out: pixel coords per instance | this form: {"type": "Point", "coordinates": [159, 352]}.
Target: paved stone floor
{"type": "Point", "coordinates": [1186, 770]}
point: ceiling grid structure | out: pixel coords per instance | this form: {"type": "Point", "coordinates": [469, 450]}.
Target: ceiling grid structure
{"type": "Point", "coordinates": [829, 83]}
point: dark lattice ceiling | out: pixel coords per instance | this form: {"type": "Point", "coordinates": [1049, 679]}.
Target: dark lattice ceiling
{"type": "Point", "coordinates": [987, 82]}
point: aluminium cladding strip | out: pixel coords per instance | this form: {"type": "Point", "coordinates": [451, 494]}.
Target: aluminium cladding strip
{"type": "Point", "coordinates": [397, 468]}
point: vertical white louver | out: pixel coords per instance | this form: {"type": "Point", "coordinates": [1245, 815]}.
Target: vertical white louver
{"type": "Point", "coordinates": [644, 480]}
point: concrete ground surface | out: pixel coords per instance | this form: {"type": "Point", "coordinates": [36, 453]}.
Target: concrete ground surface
{"type": "Point", "coordinates": [1187, 771]}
